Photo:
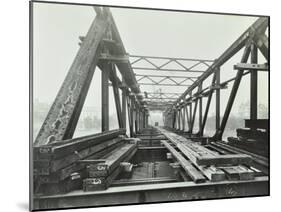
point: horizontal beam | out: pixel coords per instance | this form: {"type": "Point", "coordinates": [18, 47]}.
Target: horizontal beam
{"type": "Point", "coordinates": [113, 58]}
{"type": "Point", "coordinates": [166, 76]}
{"type": "Point", "coordinates": [162, 93]}
{"type": "Point", "coordinates": [163, 192]}
{"type": "Point", "coordinates": [162, 98]}
{"type": "Point", "coordinates": [251, 67]}
{"type": "Point", "coordinates": [171, 58]}
{"type": "Point", "coordinates": [167, 69]}
{"type": "Point", "coordinates": [161, 84]}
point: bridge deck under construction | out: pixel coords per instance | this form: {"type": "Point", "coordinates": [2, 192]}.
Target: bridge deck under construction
{"type": "Point", "coordinates": [142, 162]}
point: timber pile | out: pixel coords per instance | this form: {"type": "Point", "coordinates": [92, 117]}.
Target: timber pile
{"type": "Point", "coordinates": [201, 163]}
{"type": "Point", "coordinates": [57, 166]}
{"type": "Point", "coordinates": [102, 172]}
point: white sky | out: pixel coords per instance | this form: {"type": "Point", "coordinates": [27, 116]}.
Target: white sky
{"type": "Point", "coordinates": [144, 32]}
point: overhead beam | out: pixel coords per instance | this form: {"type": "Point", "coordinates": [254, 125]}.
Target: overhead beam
{"type": "Point", "coordinates": [171, 58]}
{"type": "Point", "coordinates": [165, 76]}
{"type": "Point", "coordinates": [162, 84]}
{"type": "Point", "coordinates": [167, 69]}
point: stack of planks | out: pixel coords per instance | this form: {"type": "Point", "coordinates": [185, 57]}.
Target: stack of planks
{"type": "Point", "coordinates": [253, 138]}
{"type": "Point", "coordinates": [201, 163]}
{"type": "Point", "coordinates": [57, 167]}
{"type": "Point", "coordinates": [102, 172]}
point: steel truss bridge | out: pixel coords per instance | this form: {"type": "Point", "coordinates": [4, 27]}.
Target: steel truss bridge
{"type": "Point", "coordinates": [102, 47]}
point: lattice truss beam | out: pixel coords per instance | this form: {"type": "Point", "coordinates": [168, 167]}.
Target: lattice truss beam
{"type": "Point", "coordinates": [159, 65]}
{"type": "Point", "coordinates": [183, 111]}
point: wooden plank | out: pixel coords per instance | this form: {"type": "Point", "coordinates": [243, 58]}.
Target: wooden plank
{"type": "Point", "coordinates": [239, 173]}
{"type": "Point", "coordinates": [63, 148]}
{"type": "Point", "coordinates": [100, 183]}
{"type": "Point", "coordinates": [57, 164]}
{"type": "Point", "coordinates": [103, 182]}
{"type": "Point", "coordinates": [211, 172]}
{"type": "Point", "coordinates": [258, 161]}
{"type": "Point", "coordinates": [234, 159]}
{"type": "Point", "coordinates": [111, 161]}
{"type": "Point", "coordinates": [187, 166]}
{"type": "Point", "coordinates": [126, 182]}
{"type": "Point", "coordinates": [202, 156]}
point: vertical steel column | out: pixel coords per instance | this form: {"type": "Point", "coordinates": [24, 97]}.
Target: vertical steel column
{"type": "Point", "coordinates": [130, 118]}
{"type": "Point", "coordinates": [190, 114]}
{"type": "Point", "coordinates": [179, 120]}
{"type": "Point", "coordinates": [136, 119]}
{"type": "Point", "coordinates": [183, 118]}
{"type": "Point", "coordinates": [208, 106]}
{"type": "Point", "coordinates": [143, 118]}
{"type": "Point", "coordinates": [140, 120]}
{"type": "Point", "coordinates": [217, 73]}
{"type": "Point", "coordinates": [219, 132]}
{"type": "Point", "coordinates": [174, 119]}
{"type": "Point", "coordinates": [115, 87]}
{"type": "Point", "coordinates": [133, 116]}
{"type": "Point", "coordinates": [254, 85]}
{"type": "Point", "coordinates": [124, 103]}
{"type": "Point", "coordinates": [105, 97]}
{"type": "Point", "coordinates": [146, 119]}
{"type": "Point", "coordinates": [194, 115]}
{"type": "Point", "coordinates": [187, 117]}
{"type": "Point", "coordinates": [200, 107]}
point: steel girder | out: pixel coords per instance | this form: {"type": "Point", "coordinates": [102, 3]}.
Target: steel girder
{"type": "Point", "coordinates": [102, 37]}
{"type": "Point", "coordinates": [257, 30]}
{"type": "Point", "coordinates": [62, 118]}
{"type": "Point", "coordinates": [156, 193]}
{"type": "Point", "coordinates": [254, 37]}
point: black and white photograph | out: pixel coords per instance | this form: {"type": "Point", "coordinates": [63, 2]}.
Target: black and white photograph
{"type": "Point", "coordinates": [135, 105]}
